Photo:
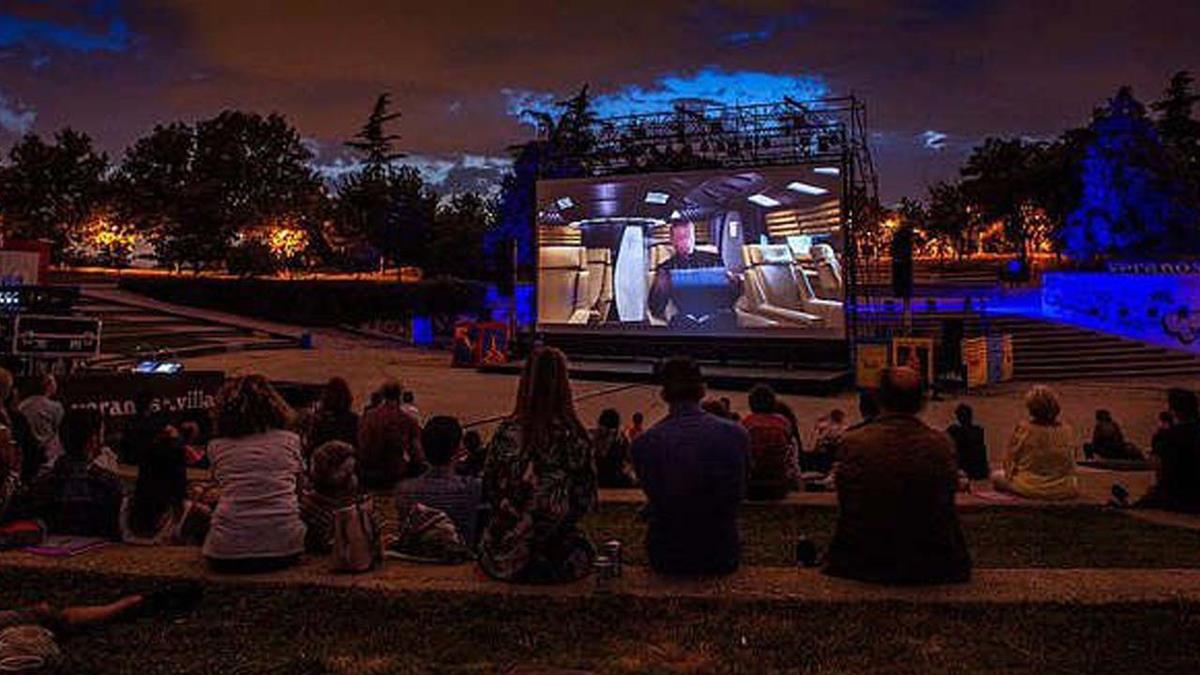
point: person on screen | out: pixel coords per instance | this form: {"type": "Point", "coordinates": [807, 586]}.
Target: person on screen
{"type": "Point", "coordinates": [701, 308]}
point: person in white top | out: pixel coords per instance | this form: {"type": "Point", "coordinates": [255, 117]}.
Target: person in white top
{"type": "Point", "coordinates": [45, 416]}
{"type": "Point", "coordinates": [257, 464]}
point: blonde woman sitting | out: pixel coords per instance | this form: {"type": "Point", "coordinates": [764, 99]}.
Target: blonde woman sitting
{"type": "Point", "coordinates": [1039, 463]}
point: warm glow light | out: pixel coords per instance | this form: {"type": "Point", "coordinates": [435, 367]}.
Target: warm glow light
{"type": "Point", "coordinates": [286, 241]}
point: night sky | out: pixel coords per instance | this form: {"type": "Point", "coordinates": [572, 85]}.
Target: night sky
{"type": "Point", "coordinates": [937, 75]}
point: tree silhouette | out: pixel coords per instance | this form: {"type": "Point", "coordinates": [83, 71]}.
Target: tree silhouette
{"type": "Point", "coordinates": [373, 141]}
{"type": "Point", "coordinates": [49, 190]}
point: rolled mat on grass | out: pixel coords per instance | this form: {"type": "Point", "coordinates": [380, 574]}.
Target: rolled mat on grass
{"type": "Point", "coordinates": [303, 630]}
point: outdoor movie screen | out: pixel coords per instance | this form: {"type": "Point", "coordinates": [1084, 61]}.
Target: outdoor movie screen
{"type": "Point", "coordinates": [734, 252]}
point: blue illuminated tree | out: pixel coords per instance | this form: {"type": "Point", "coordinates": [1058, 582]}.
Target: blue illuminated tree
{"type": "Point", "coordinates": [1133, 202]}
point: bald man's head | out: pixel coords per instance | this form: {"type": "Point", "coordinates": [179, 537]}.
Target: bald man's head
{"type": "Point", "coordinates": [901, 391]}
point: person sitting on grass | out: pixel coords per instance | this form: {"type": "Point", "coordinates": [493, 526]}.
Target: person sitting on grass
{"type": "Point", "coordinates": [158, 512]}
{"type": "Point", "coordinates": [389, 442]}
{"type": "Point", "coordinates": [473, 455]}
{"type": "Point", "coordinates": [771, 449]}
{"type": "Point", "coordinates": [257, 465]}
{"type": "Point", "coordinates": [441, 487]}
{"type": "Point", "coordinates": [636, 426]}
{"type": "Point", "coordinates": [332, 486]}
{"type": "Point", "coordinates": [334, 419]}
{"type": "Point", "coordinates": [78, 496]}
{"type": "Point", "coordinates": [1039, 463]}
{"type": "Point", "coordinates": [692, 467]}
{"type": "Point", "coordinates": [969, 445]}
{"type": "Point", "coordinates": [541, 481]}
{"type": "Point", "coordinates": [27, 636]}
{"type": "Point", "coordinates": [611, 450]}
{"type": "Point", "coordinates": [10, 472]}
{"type": "Point", "coordinates": [44, 416]}
{"type": "Point", "coordinates": [1176, 455]}
{"type": "Point", "coordinates": [896, 484]}
{"type": "Point", "coordinates": [1108, 442]}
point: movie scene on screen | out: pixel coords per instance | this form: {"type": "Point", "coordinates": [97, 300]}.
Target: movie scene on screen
{"type": "Point", "coordinates": [711, 252]}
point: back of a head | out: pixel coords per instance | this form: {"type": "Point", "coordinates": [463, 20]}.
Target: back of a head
{"type": "Point", "coordinates": [609, 419]}
{"type": "Point", "coordinates": [249, 405]}
{"type": "Point", "coordinates": [391, 391]}
{"type": "Point", "coordinates": [472, 440]}
{"type": "Point", "coordinates": [332, 469]}
{"type": "Point", "coordinates": [441, 438]}
{"type": "Point", "coordinates": [837, 415]}
{"type": "Point", "coordinates": [408, 397]}
{"type": "Point", "coordinates": [682, 381]}
{"type": "Point", "coordinates": [6, 384]}
{"type": "Point", "coordinates": [762, 399]}
{"type": "Point", "coordinates": [544, 396]}
{"type": "Point", "coordinates": [336, 396]}
{"type": "Point", "coordinates": [868, 404]}
{"type": "Point", "coordinates": [1042, 404]}
{"type": "Point", "coordinates": [638, 418]}
{"type": "Point", "coordinates": [900, 391]}
{"type": "Point", "coordinates": [965, 414]}
{"type": "Point", "coordinates": [1103, 415]}
{"type": "Point", "coordinates": [1183, 403]}
{"type": "Point", "coordinates": [80, 426]}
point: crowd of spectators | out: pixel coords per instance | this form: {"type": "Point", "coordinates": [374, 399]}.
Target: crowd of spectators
{"type": "Point", "coordinates": [289, 483]}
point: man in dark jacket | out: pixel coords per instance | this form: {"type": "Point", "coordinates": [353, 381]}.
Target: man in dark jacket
{"type": "Point", "coordinates": [896, 481]}
{"type": "Point", "coordinates": [1176, 451]}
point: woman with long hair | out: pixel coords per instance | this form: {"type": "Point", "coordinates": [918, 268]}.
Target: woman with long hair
{"type": "Point", "coordinates": [257, 465]}
{"type": "Point", "coordinates": [541, 480]}
{"type": "Point", "coordinates": [334, 419]}
{"type": "Point", "coordinates": [158, 512]}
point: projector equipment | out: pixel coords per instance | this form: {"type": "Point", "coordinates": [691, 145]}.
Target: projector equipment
{"type": "Point", "coordinates": [54, 336]}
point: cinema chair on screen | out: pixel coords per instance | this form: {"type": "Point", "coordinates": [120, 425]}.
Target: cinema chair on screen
{"type": "Point", "coordinates": [599, 296]}
{"type": "Point", "coordinates": [563, 285]}
{"type": "Point", "coordinates": [829, 271]}
{"type": "Point", "coordinates": [776, 290]}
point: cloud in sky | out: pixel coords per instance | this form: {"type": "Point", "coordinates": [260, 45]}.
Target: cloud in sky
{"type": "Point", "coordinates": [15, 118]}
{"type": "Point", "coordinates": [933, 140]}
{"type": "Point", "coordinates": [97, 29]}
{"type": "Point", "coordinates": [710, 83]}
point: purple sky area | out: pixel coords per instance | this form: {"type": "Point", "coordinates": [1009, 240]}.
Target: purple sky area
{"type": "Point", "coordinates": [937, 75]}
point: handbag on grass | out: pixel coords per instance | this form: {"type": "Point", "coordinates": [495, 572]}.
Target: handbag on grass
{"type": "Point", "coordinates": [357, 545]}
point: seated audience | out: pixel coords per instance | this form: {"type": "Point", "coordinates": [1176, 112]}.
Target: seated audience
{"type": "Point", "coordinates": [76, 495]}
{"type": "Point", "coordinates": [10, 472]}
{"type": "Point", "coordinates": [142, 431]}
{"type": "Point", "coordinates": [692, 467]}
{"type": "Point", "coordinates": [21, 436]}
{"type": "Point", "coordinates": [636, 427]}
{"type": "Point", "coordinates": [1039, 462]}
{"type": "Point", "coordinates": [1108, 442]}
{"type": "Point", "coordinates": [896, 482]}
{"type": "Point", "coordinates": [441, 487]}
{"type": "Point", "coordinates": [44, 416]}
{"type": "Point", "coordinates": [868, 407]}
{"type": "Point", "coordinates": [409, 405]}
{"type": "Point", "coordinates": [540, 480]}
{"type": "Point", "coordinates": [611, 450]}
{"type": "Point", "coordinates": [473, 455]}
{"type": "Point", "coordinates": [970, 448]}
{"type": "Point", "coordinates": [334, 419]}
{"type": "Point", "coordinates": [1176, 454]}
{"type": "Point", "coordinates": [727, 406]}
{"type": "Point", "coordinates": [828, 432]}
{"type": "Point", "coordinates": [256, 462]}
{"type": "Point", "coordinates": [158, 513]}
{"type": "Point", "coordinates": [332, 486]}
{"type": "Point", "coordinates": [389, 442]}
{"type": "Point", "coordinates": [771, 451]}
{"type": "Point", "coordinates": [782, 408]}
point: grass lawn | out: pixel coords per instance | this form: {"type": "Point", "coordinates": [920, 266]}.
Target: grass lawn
{"type": "Point", "coordinates": [1067, 536]}
{"type": "Point", "coordinates": [299, 630]}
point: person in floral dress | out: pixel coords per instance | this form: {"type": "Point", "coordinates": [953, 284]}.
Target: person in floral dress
{"type": "Point", "coordinates": [541, 480]}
